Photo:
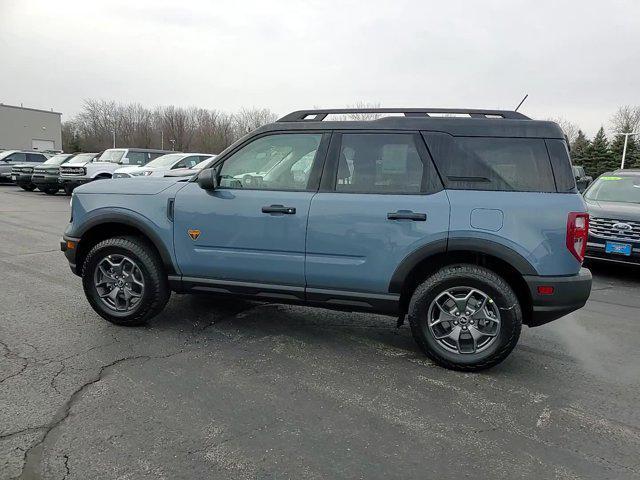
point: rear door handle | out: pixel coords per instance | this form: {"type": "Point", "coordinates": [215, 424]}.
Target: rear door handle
{"type": "Point", "coordinates": [279, 209]}
{"type": "Point", "coordinates": [407, 215]}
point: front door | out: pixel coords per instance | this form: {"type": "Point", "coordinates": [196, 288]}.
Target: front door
{"type": "Point", "coordinates": [252, 228]}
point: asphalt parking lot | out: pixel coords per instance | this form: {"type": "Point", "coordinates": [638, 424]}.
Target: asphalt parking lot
{"type": "Point", "coordinates": [234, 389]}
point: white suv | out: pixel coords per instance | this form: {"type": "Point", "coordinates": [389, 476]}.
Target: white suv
{"type": "Point", "coordinates": [74, 174]}
{"type": "Point", "coordinates": [163, 164]}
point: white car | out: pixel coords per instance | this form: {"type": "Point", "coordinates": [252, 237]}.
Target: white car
{"type": "Point", "coordinates": [163, 164]}
{"type": "Point", "coordinates": [73, 174]}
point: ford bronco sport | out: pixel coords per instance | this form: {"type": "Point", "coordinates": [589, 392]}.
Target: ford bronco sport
{"type": "Point", "coordinates": [470, 227]}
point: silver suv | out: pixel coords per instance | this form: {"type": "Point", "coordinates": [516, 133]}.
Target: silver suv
{"type": "Point", "coordinates": [10, 158]}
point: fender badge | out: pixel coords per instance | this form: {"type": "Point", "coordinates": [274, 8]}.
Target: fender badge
{"type": "Point", "coordinates": [194, 234]}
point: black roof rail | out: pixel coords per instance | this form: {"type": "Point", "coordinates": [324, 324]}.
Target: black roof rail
{"type": "Point", "coordinates": [319, 115]}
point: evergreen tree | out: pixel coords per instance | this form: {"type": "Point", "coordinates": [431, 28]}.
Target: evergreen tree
{"type": "Point", "coordinates": [599, 157]}
{"type": "Point", "coordinates": [579, 149]}
{"type": "Point", "coordinates": [632, 158]}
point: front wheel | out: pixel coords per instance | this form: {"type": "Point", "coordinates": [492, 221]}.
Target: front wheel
{"type": "Point", "coordinates": [124, 281]}
{"type": "Point", "coordinates": [51, 191]}
{"type": "Point", "coordinates": [68, 190]}
{"type": "Point", "coordinates": [465, 317]}
{"type": "Point", "coordinates": [28, 188]}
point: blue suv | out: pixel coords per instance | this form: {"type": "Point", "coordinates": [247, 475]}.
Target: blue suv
{"type": "Point", "coordinates": [466, 222]}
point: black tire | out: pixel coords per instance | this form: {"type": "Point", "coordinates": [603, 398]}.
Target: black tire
{"type": "Point", "coordinates": [156, 291]}
{"type": "Point", "coordinates": [68, 190]}
{"type": "Point", "coordinates": [51, 191]}
{"type": "Point", "coordinates": [473, 276]}
{"type": "Point", "coordinates": [28, 188]}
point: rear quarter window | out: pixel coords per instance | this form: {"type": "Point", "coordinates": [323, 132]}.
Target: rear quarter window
{"type": "Point", "coordinates": [559, 155]}
{"type": "Point", "coordinates": [492, 163]}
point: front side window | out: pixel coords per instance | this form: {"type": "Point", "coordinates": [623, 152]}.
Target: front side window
{"type": "Point", "coordinates": [37, 157]}
{"type": "Point", "coordinates": [271, 163]}
{"type": "Point", "coordinates": [379, 163]}
{"type": "Point", "coordinates": [491, 163]}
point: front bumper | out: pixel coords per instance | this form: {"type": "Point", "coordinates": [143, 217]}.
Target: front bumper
{"type": "Point", "coordinates": [596, 251]}
{"type": "Point", "coordinates": [72, 182]}
{"type": "Point", "coordinates": [45, 180]}
{"type": "Point", "coordinates": [569, 294]}
{"type": "Point", "coordinates": [22, 179]}
{"type": "Point", "coordinates": [69, 245]}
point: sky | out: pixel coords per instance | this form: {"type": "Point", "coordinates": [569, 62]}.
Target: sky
{"type": "Point", "coordinates": [578, 60]}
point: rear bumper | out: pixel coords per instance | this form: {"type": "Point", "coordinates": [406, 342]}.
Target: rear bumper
{"type": "Point", "coordinates": [70, 253]}
{"type": "Point", "coordinates": [569, 294]}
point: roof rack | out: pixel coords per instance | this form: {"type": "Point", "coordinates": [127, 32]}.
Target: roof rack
{"type": "Point", "coordinates": [319, 115]}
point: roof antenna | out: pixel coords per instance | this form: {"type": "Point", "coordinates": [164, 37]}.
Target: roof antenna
{"type": "Point", "coordinates": [521, 102]}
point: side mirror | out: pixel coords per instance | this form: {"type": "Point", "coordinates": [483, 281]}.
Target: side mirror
{"type": "Point", "coordinates": [208, 179]}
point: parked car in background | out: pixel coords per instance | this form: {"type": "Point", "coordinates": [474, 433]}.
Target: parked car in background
{"type": "Point", "coordinates": [11, 158]}
{"type": "Point", "coordinates": [79, 173]}
{"type": "Point", "coordinates": [163, 164]}
{"type": "Point", "coordinates": [613, 201]}
{"type": "Point", "coordinates": [418, 216]}
{"type": "Point", "coordinates": [46, 176]}
{"type": "Point", "coordinates": [582, 179]}
{"type": "Point", "coordinates": [189, 172]}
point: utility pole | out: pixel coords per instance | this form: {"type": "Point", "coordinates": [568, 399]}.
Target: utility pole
{"type": "Point", "coordinates": [624, 149]}
{"type": "Point", "coordinates": [161, 140]}
{"type": "Point", "coordinates": [114, 139]}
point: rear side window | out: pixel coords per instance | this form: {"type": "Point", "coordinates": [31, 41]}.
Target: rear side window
{"type": "Point", "coordinates": [36, 157]}
{"type": "Point", "coordinates": [491, 163]}
{"type": "Point", "coordinates": [380, 163]}
{"type": "Point", "coordinates": [136, 158]}
{"type": "Point", "coordinates": [565, 178]}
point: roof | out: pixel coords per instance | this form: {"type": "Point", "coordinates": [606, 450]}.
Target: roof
{"type": "Point", "coordinates": [465, 122]}
{"type": "Point", "coordinates": [628, 171]}
{"type": "Point", "coordinates": [30, 109]}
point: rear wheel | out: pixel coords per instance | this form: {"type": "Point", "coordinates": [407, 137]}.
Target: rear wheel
{"type": "Point", "coordinates": [124, 281]}
{"type": "Point", "coordinates": [28, 188]}
{"type": "Point", "coordinates": [465, 317]}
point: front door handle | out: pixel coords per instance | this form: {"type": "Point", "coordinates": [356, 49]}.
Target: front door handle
{"type": "Point", "coordinates": [407, 215]}
{"type": "Point", "coordinates": [279, 209]}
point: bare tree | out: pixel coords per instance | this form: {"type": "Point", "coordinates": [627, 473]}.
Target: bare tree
{"type": "Point", "coordinates": [626, 119]}
{"type": "Point", "coordinates": [248, 119]}
{"type": "Point", "coordinates": [569, 128]}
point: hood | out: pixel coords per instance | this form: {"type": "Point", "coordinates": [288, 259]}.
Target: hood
{"type": "Point", "coordinates": [614, 210]}
{"type": "Point", "coordinates": [74, 164]}
{"type": "Point", "coordinates": [127, 186]}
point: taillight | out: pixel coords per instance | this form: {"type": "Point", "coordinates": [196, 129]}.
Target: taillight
{"type": "Point", "coordinates": [577, 234]}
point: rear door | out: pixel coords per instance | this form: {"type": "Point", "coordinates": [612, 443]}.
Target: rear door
{"type": "Point", "coordinates": [380, 201]}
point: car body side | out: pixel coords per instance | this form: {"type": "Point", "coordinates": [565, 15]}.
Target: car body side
{"type": "Point", "coordinates": [521, 235]}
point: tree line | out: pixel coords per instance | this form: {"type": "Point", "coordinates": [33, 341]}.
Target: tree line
{"type": "Point", "coordinates": [194, 129]}
{"type": "Point", "coordinates": [601, 153]}
{"type": "Point", "coordinates": [100, 124]}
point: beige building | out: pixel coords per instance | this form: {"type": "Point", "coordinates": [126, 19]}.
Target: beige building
{"type": "Point", "coordinates": [29, 129]}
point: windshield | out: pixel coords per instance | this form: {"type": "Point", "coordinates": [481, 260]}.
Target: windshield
{"type": "Point", "coordinates": [112, 156]}
{"type": "Point", "coordinates": [83, 157]}
{"type": "Point", "coordinates": [6, 153]}
{"type": "Point", "coordinates": [165, 160]}
{"type": "Point", "coordinates": [615, 189]}
{"type": "Point", "coordinates": [57, 159]}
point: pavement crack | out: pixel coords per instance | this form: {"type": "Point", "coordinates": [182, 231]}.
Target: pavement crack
{"type": "Point", "coordinates": [33, 455]}
{"type": "Point", "coordinates": [8, 353]}
{"type": "Point", "coordinates": [66, 466]}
